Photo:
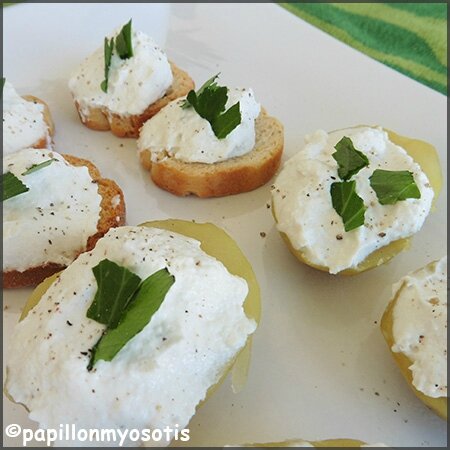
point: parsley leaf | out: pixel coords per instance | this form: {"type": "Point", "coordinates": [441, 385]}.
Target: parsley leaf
{"type": "Point", "coordinates": [227, 122]}
{"type": "Point", "coordinates": [3, 83]}
{"type": "Point", "coordinates": [124, 45]}
{"type": "Point", "coordinates": [116, 286]}
{"type": "Point", "coordinates": [135, 317]}
{"type": "Point", "coordinates": [12, 186]}
{"type": "Point", "coordinates": [39, 166]}
{"type": "Point", "coordinates": [393, 186]}
{"type": "Point", "coordinates": [192, 94]}
{"type": "Point", "coordinates": [348, 204]}
{"type": "Point", "coordinates": [108, 50]}
{"type": "Point", "coordinates": [350, 160]}
{"type": "Point", "coordinates": [209, 102]}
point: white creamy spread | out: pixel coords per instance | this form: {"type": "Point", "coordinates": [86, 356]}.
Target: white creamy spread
{"type": "Point", "coordinates": [420, 326]}
{"type": "Point", "coordinates": [23, 121]}
{"type": "Point", "coordinates": [52, 222]}
{"type": "Point", "coordinates": [304, 211]}
{"type": "Point", "coordinates": [161, 374]}
{"type": "Point", "coordinates": [133, 84]}
{"type": "Point", "coordinates": [183, 134]}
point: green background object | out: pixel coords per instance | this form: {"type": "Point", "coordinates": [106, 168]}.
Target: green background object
{"type": "Point", "coordinates": [409, 37]}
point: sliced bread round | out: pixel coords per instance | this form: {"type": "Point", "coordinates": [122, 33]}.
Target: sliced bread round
{"type": "Point", "coordinates": [233, 176]}
{"type": "Point", "coordinates": [42, 143]}
{"type": "Point", "coordinates": [112, 214]}
{"type": "Point", "coordinates": [101, 119]}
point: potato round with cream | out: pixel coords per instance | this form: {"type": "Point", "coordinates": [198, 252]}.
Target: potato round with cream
{"type": "Point", "coordinates": [313, 229]}
{"type": "Point", "coordinates": [325, 443]}
{"type": "Point", "coordinates": [415, 328]}
{"type": "Point", "coordinates": [164, 372]}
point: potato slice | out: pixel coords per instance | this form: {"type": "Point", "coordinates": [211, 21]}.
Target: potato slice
{"type": "Point", "coordinates": [326, 443]}
{"type": "Point", "coordinates": [216, 243]}
{"type": "Point", "coordinates": [427, 157]}
{"type": "Point", "coordinates": [439, 404]}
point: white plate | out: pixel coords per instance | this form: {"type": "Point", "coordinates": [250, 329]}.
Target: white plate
{"type": "Point", "coordinates": [320, 367]}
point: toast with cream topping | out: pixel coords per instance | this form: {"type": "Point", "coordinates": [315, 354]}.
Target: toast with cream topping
{"type": "Point", "coordinates": [27, 122]}
{"type": "Point", "coordinates": [101, 119]}
{"type": "Point", "coordinates": [125, 82]}
{"type": "Point", "coordinates": [43, 143]}
{"type": "Point", "coordinates": [231, 176]}
{"type": "Point", "coordinates": [111, 214]}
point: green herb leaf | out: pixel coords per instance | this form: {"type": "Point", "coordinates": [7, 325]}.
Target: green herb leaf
{"type": "Point", "coordinates": [209, 102]}
{"type": "Point", "coordinates": [137, 315]}
{"type": "Point", "coordinates": [350, 160]}
{"type": "Point", "coordinates": [193, 96]}
{"type": "Point", "coordinates": [124, 44]}
{"type": "Point", "coordinates": [3, 83]}
{"type": "Point", "coordinates": [227, 122]}
{"type": "Point", "coordinates": [108, 50]}
{"type": "Point", "coordinates": [115, 288]}
{"type": "Point", "coordinates": [348, 204]}
{"type": "Point", "coordinates": [36, 167]}
{"type": "Point", "coordinates": [393, 186]}
{"type": "Point", "coordinates": [12, 186]}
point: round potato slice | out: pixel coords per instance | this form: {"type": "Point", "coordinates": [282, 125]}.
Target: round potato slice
{"type": "Point", "coordinates": [427, 157]}
{"type": "Point", "coordinates": [342, 443]}
{"type": "Point", "coordinates": [216, 243]}
{"type": "Point", "coordinates": [439, 404]}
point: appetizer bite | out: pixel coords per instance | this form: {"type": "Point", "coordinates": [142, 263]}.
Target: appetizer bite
{"type": "Point", "coordinates": [136, 333]}
{"type": "Point", "coordinates": [415, 328]}
{"type": "Point", "coordinates": [214, 142]}
{"type": "Point", "coordinates": [350, 199]}
{"type": "Point", "coordinates": [54, 207]}
{"type": "Point", "coordinates": [125, 82]}
{"type": "Point", "coordinates": [342, 443]}
{"type": "Point", "coordinates": [26, 121]}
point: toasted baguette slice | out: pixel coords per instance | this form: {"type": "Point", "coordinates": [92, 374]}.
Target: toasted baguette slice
{"type": "Point", "coordinates": [110, 216]}
{"type": "Point", "coordinates": [101, 119]}
{"type": "Point", "coordinates": [233, 176]}
{"type": "Point", "coordinates": [44, 141]}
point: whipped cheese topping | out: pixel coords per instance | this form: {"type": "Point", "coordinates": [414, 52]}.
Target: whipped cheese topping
{"type": "Point", "coordinates": [133, 83]}
{"type": "Point", "coordinates": [23, 121]}
{"type": "Point", "coordinates": [159, 377]}
{"type": "Point", "coordinates": [304, 211]}
{"type": "Point", "coordinates": [183, 134]}
{"type": "Point", "coordinates": [420, 326]}
{"type": "Point", "coordinates": [52, 222]}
